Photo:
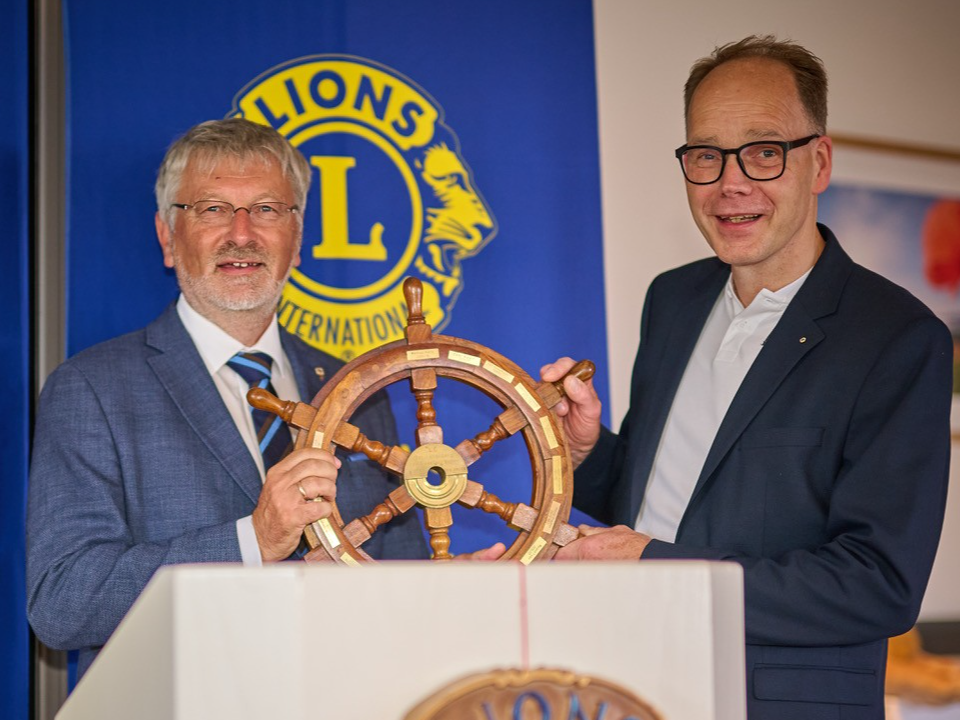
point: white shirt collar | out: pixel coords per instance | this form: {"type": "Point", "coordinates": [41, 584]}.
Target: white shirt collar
{"type": "Point", "coordinates": [771, 298]}
{"type": "Point", "coordinates": [216, 346]}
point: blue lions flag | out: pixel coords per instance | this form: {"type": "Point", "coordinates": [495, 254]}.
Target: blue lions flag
{"type": "Point", "coordinates": [453, 142]}
{"type": "Point", "coordinates": [15, 343]}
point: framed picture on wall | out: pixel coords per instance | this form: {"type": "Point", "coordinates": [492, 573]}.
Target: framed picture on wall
{"type": "Point", "coordinates": [896, 211]}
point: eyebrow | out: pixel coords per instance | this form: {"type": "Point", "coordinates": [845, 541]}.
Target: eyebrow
{"type": "Point", "coordinates": [753, 134]}
{"type": "Point", "coordinates": [764, 134]}
{"type": "Point", "coordinates": [262, 197]}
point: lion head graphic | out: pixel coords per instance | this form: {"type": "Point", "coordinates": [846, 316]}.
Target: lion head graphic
{"type": "Point", "coordinates": [458, 222]}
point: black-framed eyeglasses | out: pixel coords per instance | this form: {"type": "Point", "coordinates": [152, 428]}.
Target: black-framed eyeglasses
{"type": "Point", "coordinates": [761, 160]}
{"type": "Point", "coordinates": [220, 212]}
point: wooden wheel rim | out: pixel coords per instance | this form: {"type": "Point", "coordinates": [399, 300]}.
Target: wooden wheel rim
{"type": "Point", "coordinates": [479, 367]}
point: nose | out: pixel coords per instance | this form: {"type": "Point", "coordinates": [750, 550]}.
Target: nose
{"type": "Point", "coordinates": [241, 228]}
{"type": "Point", "coordinates": [733, 180]}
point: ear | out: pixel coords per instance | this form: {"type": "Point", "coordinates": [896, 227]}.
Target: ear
{"type": "Point", "coordinates": [164, 237]}
{"type": "Point", "coordinates": [823, 158]}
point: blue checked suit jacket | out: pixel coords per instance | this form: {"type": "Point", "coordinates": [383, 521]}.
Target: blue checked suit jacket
{"type": "Point", "coordinates": [137, 464]}
{"type": "Point", "coordinates": [826, 480]}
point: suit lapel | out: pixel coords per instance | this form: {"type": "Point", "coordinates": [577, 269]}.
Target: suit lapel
{"type": "Point", "coordinates": [182, 373]}
{"type": "Point", "coordinates": [791, 339]}
{"type": "Point", "coordinates": [685, 329]}
{"type": "Point", "coordinates": [305, 363]}
{"type": "Point", "coordinates": [795, 335]}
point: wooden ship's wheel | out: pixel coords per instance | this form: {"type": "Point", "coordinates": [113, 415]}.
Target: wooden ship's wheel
{"type": "Point", "coordinates": [421, 358]}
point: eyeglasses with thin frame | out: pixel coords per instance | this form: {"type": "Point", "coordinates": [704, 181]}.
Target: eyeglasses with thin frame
{"type": "Point", "coordinates": [218, 213]}
{"type": "Point", "coordinates": [762, 160]}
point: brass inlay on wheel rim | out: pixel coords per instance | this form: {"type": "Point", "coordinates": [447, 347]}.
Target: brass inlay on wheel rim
{"type": "Point", "coordinates": [449, 466]}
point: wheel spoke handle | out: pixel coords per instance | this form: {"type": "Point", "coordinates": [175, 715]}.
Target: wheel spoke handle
{"type": "Point", "coordinates": [483, 441]}
{"type": "Point", "coordinates": [351, 438]}
{"type": "Point", "coordinates": [423, 383]}
{"type": "Point", "coordinates": [553, 392]}
{"type": "Point", "coordinates": [518, 515]}
{"type": "Point", "coordinates": [438, 521]}
{"type": "Point", "coordinates": [297, 414]}
{"type": "Point", "coordinates": [360, 530]}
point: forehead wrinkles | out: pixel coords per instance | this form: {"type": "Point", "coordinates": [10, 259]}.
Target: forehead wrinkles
{"type": "Point", "coordinates": [209, 179]}
{"type": "Point", "coordinates": [745, 100]}
{"type": "Point", "coordinates": [719, 118]}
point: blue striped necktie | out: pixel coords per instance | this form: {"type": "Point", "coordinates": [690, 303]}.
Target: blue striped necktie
{"type": "Point", "coordinates": [272, 437]}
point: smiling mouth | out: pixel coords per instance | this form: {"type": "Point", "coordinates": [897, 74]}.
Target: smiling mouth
{"type": "Point", "coordinates": [738, 218]}
{"type": "Point", "coordinates": [240, 264]}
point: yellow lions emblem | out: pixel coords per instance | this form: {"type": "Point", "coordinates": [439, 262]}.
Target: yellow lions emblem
{"type": "Point", "coordinates": [391, 197]}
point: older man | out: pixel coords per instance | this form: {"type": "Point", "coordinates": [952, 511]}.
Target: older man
{"type": "Point", "coordinates": [146, 452]}
{"type": "Point", "coordinates": [789, 408]}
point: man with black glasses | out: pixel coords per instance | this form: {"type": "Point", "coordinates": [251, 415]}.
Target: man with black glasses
{"type": "Point", "coordinates": [789, 408]}
{"type": "Point", "coordinates": [146, 452]}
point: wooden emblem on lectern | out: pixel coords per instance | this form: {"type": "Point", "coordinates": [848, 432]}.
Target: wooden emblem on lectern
{"type": "Point", "coordinates": [532, 695]}
{"type": "Point", "coordinates": [420, 358]}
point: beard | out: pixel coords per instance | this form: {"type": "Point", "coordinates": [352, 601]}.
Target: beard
{"type": "Point", "coordinates": [260, 292]}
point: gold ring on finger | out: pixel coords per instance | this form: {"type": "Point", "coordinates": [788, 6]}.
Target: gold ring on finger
{"type": "Point", "coordinates": [303, 493]}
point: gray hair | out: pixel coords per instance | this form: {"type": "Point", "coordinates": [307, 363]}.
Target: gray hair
{"type": "Point", "coordinates": [808, 71]}
{"type": "Point", "coordinates": [214, 140]}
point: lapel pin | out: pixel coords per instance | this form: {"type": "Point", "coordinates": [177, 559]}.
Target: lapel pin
{"type": "Point", "coordinates": [319, 371]}
{"type": "Point", "coordinates": [803, 340]}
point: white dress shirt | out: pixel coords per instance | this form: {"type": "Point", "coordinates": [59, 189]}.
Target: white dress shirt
{"type": "Point", "coordinates": [216, 347]}
{"type": "Point", "coordinates": [729, 343]}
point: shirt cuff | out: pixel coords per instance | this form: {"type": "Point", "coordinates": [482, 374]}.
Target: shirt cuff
{"type": "Point", "coordinates": [249, 547]}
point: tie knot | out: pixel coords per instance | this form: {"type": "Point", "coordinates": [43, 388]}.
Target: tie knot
{"type": "Point", "coordinates": [252, 367]}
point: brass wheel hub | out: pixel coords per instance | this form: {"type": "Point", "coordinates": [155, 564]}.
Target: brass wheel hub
{"type": "Point", "coordinates": [448, 465]}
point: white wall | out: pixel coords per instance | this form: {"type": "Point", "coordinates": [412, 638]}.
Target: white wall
{"type": "Point", "coordinates": [893, 72]}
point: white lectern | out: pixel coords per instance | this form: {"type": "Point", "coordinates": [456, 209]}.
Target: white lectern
{"type": "Point", "coordinates": [299, 641]}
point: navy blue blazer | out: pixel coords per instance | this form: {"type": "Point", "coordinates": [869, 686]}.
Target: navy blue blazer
{"type": "Point", "coordinates": [826, 480]}
{"type": "Point", "coordinates": [137, 464]}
